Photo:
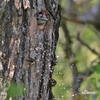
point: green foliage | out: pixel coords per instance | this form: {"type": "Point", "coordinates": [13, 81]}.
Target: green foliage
{"type": "Point", "coordinates": [63, 3]}
{"type": "Point", "coordinates": [0, 89]}
{"type": "Point", "coordinates": [98, 69]}
{"type": "Point", "coordinates": [89, 35]}
{"type": "Point", "coordinates": [16, 90]}
{"type": "Point", "coordinates": [62, 92]}
{"type": "Point", "coordinates": [83, 56]}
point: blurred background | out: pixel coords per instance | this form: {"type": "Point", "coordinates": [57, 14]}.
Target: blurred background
{"type": "Point", "coordinates": [78, 51]}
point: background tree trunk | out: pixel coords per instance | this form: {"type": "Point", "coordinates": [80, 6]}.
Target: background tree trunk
{"type": "Point", "coordinates": [27, 46]}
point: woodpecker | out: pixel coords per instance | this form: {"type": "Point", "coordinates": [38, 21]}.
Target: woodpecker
{"type": "Point", "coordinates": [41, 18]}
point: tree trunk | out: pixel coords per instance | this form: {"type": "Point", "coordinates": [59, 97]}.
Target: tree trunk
{"type": "Point", "coordinates": [28, 37]}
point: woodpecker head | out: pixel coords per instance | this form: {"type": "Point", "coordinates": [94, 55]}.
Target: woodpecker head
{"type": "Point", "coordinates": [41, 18]}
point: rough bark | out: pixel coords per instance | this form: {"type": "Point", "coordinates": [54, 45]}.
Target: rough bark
{"type": "Point", "coordinates": [28, 48]}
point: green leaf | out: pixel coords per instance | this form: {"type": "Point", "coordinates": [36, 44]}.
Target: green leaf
{"type": "Point", "coordinates": [61, 90]}
{"type": "Point", "coordinates": [98, 69]}
{"type": "Point", "coordinates": [93, 80]}
{"type": "Point", "coordinates": [16, 90]}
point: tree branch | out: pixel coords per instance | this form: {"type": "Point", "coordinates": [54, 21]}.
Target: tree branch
{"type": "Point", "coordinates": [78, 77]}
{"type": "Point", "coordinates": [87, 46]}
{"type": "Point", "coordinates": [71, 60]}
{"type": "Point", "coordinates": [91, 17]}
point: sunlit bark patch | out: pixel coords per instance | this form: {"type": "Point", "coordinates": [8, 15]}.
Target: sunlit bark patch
{"type": "Point", "coordinates": [17, 4]}
{"type": "Point", "coordinates": [26, 4]}
{"type": "Point", "coordinates": [6, 0]}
